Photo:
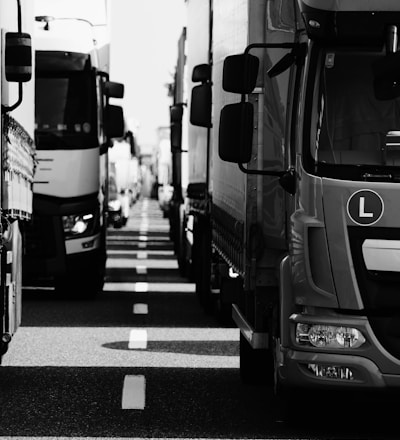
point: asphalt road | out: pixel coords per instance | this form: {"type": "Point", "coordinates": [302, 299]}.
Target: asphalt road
{"type": "Point", "coordinates": [142, 360]}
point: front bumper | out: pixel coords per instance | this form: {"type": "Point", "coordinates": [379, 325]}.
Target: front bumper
{"type": "Point", "coordinates": [370, 366]}
{"type": "Point", "coordinates": [366, 374]}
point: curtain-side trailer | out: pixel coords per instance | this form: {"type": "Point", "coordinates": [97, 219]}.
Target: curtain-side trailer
{"type": "Point", "coordinates": [18, 156]}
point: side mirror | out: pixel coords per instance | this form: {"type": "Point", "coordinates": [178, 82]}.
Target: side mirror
{"type": "Point", "coordinates": [114, 89]}
{"type": "Point", "coordinates": [176, 113]}
{"type": "Point", "coordinates": [18, 57]}
{"type": "Point", "coordinates": [387, 77]}
{"type": "Point", "coordinates": [201, 73]}
{"type": "Point", "coordinates": [176, 137]}
{"type": "Point", "coordinates": [240, 73]}
{"type": "Point", "coordinates": [236, 132]}
{"type": "Point", "coordinates": [200, 107]}
{"type": "Point", "coordinates": [114, 124]}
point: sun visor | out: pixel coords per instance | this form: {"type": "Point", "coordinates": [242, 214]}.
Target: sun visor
{"type": "Point", "coordinates": [349, 21]}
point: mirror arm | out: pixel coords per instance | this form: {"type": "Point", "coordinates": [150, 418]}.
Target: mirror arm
{"type": "Point", "coordinates": [261, 172]}
{"type": "Point", "coordinates": [5, 108]}
{"type": "Point", "coordinates": [287, 179]}
{"type": "Point", "coordinates": [267, 46]}
{"type": "Point", "coordinates": [270, 46]}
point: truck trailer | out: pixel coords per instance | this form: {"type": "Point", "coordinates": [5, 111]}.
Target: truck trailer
{"type": "Point", "coordinates": [74, 127]}
{"type": "Point", "coordinates": [18, 156]}
{"type": "Point", "coordinates": [124, 180]}
{"type": "Point", "coordinates": [298, 185]}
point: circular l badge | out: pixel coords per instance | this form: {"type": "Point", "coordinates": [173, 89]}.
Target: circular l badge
{"type": "Point", "coordinates": [365, 207]}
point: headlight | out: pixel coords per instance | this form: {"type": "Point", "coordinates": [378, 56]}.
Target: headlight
{"type": "Point", "coordinates": [77, 224]}
{"type": "Point", "coordinates": [114, 205]}
{"type": "Point", "coordinates": [329, 336]}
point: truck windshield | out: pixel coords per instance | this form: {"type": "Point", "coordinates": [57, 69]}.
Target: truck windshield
{"type": "Point", "coordinates": [65, 111]}
{"type": "Point", "coordinates": [353, 127]}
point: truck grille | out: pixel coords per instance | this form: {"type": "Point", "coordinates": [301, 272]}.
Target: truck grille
{"type": "Point", "coordinates": [380, 291]}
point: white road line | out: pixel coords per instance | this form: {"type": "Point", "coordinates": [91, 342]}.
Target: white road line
{"type": "Point", "coordinates": [141, 287]}
{"type": "Point", "coordinates": [141, 270]}
{"type": "Point", "coordinates": [140, 309]}
{"type": "Point", "coordinates": [141, 255]}
{"type": "Point", "coordinates": [152, 287]}
{"type": "Point", "coordinates": [142, 245]}
{"type": "Point", "coordinates": [137, 340]}
{"type": "Point", "coordinates": [134, 392]}
{"type": "Point", "coordinates": [143, 238]}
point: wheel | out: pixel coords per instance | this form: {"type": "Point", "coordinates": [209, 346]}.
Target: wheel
{"type": "Point", "coordinates": [256, 365]}
{"type": "Point", "coordinates": [85, 285]}
{"type": "Point", "coordinates": [228, 288]}
{"type": "Point", "coordinates": [118, 224]}
{"type": "Point", "coordinates": [202, 264]}
{"type": "Point", "coordinates": [181, 249]}
{"type": "Point", "coordinates": [283, 406]}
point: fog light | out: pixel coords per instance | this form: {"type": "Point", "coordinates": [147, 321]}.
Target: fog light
{"type": "Point", "coordinates": [329, 336]}
{"type": "Point", "coordinates": [331, 371]}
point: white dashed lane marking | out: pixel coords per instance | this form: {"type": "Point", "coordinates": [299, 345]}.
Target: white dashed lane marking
{"type": "Point", "coordinates": [137, 339]}
{"type": "Point", "coordinates": [140, 309]}
{"type": "Point", "coordinates": [134, 392]}
{"type": "Point", "coordinates": [141, 270]}
{"type": "Point", "coordinates": [141, 287]}
{"type": "Point", "coordinates": [134, 388]}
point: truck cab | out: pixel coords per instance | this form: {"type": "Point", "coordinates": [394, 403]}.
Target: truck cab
{"type": "Point", "coordinates": [318, 124]}
{"type": "Point", "coordinates": [74, 125]}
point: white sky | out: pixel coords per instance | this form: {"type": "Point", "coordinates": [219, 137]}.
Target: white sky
{"type": "Point", "coordinates": [144, 39]}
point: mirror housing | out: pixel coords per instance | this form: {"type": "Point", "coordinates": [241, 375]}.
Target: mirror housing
{"type": "Point", "coordinates": [176, 113]}
{"type": "Point", "coordinates": [114, 124]}
{"type": "Point", "coordinates": [176, 137]}
{"type": "Point", "coordinates": [200, 107]}
{"type": "Point", "coordinates": [201, 73]}
{"type": "Point", "coordinates": [18, 57]}
{"type": "Point", "coordinates": [236, 132]}
{"type": "Point", "coordinates": [240, 73]}
{"type": "Point", "coordinates": [113, 89]}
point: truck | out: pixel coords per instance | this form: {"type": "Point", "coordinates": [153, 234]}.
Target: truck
{"type": "Point", "coordinates": [163, 170]}
{"type": "Point", "coordinates": [74, 127]}
{"type": "Point", "coordinates": [124, 179]}
{"type": "Point", "coordinates": [18, 157]}
{"type": "Point", "coordinates": [294, 185]}
{"type": "Point", "coordinates": [179, 158]}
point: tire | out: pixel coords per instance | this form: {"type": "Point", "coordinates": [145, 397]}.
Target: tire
{"type": "Point", "coordinates": [256, 365]}
{"type": "Point", "coordinates": [202, 263]}
{"type": "Point", "coordinates": [79, 285]}
{"type": "Point", "coordinates": [184, 252]}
